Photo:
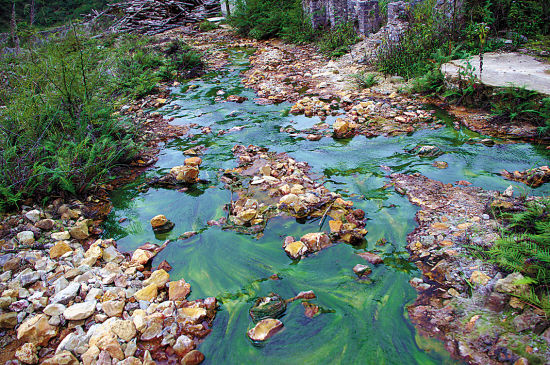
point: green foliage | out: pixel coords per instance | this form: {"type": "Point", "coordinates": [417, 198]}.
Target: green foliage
{"type": "Point", "coordinates": [337, 41]}
{"type": "Point", "coordinates": [430, 83]}
{"type": "Point", "coordinates": [58, 129]}
{"type": "Point", "coordinates": [364, 81]}
{"type": "Point", "coordinates": [263, 19]}
{"type": "Point", "coordinates": [48, 12]}
{"type": "Point", "coordinates": [410, 56]}
{"type": "Point", "coordinates": [525, 247]}
{"type": "Point", "coordinates": [206, 26]}
{"type": "Point", "coordinates": [517, 104]}
{"type": "Point", "coordinates": [525, 17]}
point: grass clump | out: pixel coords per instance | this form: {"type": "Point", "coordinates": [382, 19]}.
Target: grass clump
{"type": "Point", "coordinates": [206, 26]}
{"type": "Point", "coordinates": [59, 133]}
{"type": "Point", "coordinates": [524, 247]}
{"type": "Point", "coordinates": [365, 81]}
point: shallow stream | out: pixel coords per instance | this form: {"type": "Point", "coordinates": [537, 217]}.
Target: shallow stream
{"type": "Point", "coordinates": [360, 321]}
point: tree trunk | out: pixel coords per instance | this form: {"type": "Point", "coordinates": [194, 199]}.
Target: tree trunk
{"type": "Point", "coordinates": [32, 13]}
{"type": "Point", "coordinates": [14, 37]}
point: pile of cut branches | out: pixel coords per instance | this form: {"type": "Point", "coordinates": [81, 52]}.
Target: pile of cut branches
{"type": "Point", "coordinates": [150, 17]}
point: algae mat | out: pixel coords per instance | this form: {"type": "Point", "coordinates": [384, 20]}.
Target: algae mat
{"type": "Point", "coordinates": [360, 321]}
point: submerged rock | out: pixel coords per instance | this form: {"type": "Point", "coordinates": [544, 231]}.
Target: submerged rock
{"type": "Point", "coordinates": [265, 329]}
{"type": "Point", "coordinates": [426, 151]}
{"type": "Point", "coordinates": [272, 306]}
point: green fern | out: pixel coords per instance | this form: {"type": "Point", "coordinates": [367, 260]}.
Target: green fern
{"type": "Point", "coordinates": [525, 247]}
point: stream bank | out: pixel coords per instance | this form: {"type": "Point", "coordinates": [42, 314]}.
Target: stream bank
{"type": "Point", "coordinates": [358, 317]}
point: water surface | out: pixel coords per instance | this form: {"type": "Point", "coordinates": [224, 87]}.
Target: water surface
{"type": "Point", "coordinates": [361, 321]}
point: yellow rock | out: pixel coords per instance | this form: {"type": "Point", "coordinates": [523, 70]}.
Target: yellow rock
{"type": "Point", "coordinates": [464, 226]}
{"type": "Point", "coordinates": [178, 290]}
{"type": "Point", "coordinates": [335, 226]}
{"type": "Point", "coordinates": [296, 249]}
{"type": "Point", "coordinates": [247, 214]}
{"type": "Point", "coordinates": [59, 249]}
{"type": "Point", "coordinates": [158, 221]}
{"type": "Point", "coordinates": [141, 256]}
{"type": "Point", "coordinates": [148, 293]}
{"type": "Point", "coordinates": [94, 251]}
{"type": "Point", "coordinates": [36, 330]}
{"type": "Point", "coordinates": [289, 199]}
{"type": "Point", "coordinates": [265, 329]}
{"type": "Point", "coordinates": [159, 278]}
{"type": "Point", "coordinates": [297, 189]}
{"type": "Point", "coordinates": [193, 161]}
{"type": "Point", "coordinates": [193, 313]}
{"type": "Point", "coordinates": [439, 225]}
{"type": "Point", "coordinates": [479, 278]}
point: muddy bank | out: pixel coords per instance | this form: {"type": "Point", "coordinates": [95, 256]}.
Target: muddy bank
{"type": "Point", "coordinates": [467, 303]}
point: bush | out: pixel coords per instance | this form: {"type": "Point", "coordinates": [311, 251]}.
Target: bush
{"type": "Point", "coordinates": [411, 55]}
{"type": "Point", "coordinates": [206, 26]}
{"type": "Point", "coordinates": [263, 19]}
{"type": "Point", "coordinates": [58, 131]}
{"type": "Point", "coordinates": [337, 41]}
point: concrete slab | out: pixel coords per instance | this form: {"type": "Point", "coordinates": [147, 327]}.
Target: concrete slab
{"type": "Point", "coordinates": [504, 69]}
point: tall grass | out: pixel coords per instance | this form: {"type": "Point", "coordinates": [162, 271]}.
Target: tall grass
{"type": "Point", "coordinates": [58, 130]}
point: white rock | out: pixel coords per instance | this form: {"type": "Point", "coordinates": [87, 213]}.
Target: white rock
{"type": "Point", "coordinates": [67, 294]}
{"type": "Point", "coordinates": [80, 311]}
{"type": "Point", "coordinates": [61, 236]}
{"type": "Point", "coordinates": [54, 309]}
{"type": "Point", "coordinates": [25, 237]}
{"type": "Point", "coordinates": [33, 215]}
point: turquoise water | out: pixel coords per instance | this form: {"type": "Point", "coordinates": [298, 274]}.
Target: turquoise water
{"type": "Point", "coordinates": [360, 321]}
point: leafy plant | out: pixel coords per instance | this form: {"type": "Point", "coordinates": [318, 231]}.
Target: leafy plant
{"type": "Point", "coordinates": [58, 130]}
{"type": "Point", "coordinates": [364, 81]}
{"type": "Point", "coordinates": [337, 41]}
{"type": "Point", "coordinates": [206, 26]}
{"type": "Point", "coordinates": [525, 247]}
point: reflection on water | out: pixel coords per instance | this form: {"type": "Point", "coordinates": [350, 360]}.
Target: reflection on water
{"type": "Point", "coordinates": [361, 321]}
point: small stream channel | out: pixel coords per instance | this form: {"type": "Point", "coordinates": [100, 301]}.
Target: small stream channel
{"type": "Point", "coordinates": [360, 321]}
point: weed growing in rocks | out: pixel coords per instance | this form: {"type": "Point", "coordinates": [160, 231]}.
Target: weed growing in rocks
{"type": "Point", "coordinates": [364, 81]}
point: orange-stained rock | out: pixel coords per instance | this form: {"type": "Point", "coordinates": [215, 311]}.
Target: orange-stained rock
{"type": "Point", "coordinates": [158, 221]}
{"type": "Point", "coordinates": [178, 290]}
{"type": "Point", "coordinates": [59, 249]}
{"type": "Point", "coordinates": [193, 161]}
{"type": "Point", "coordinates": [36, 330]}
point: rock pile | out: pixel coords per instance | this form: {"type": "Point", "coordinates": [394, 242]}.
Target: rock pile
{"type": "Point", "coordinates": [533, 177]}
{"type": "Point", "coordinates": [460, 297]}
{"type": "Point", "coordinates": [67, 298]}
{"type": "Point", "coordinates": [269, 184]}
{"type": "Point", "coordinates": [156, 16]}
{"type": "Point", "coordinates": [267, 310]}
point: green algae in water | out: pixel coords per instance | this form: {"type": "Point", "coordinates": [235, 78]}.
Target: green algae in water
{"type": "Point", "coordinates": [361, 321]}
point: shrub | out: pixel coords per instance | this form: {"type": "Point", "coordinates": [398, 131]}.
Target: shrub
{"type": "Point", "coordinates": [337, 41]}
{"type": "Point", "coordinates": [206, 26]}
{"type": "Point", "coordinates": [364, 81]}
{"type": "Point", "coordinates": [58, 130]}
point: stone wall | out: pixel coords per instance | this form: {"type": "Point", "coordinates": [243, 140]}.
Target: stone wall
{"type": "Point", "coordinates": [364, 13]}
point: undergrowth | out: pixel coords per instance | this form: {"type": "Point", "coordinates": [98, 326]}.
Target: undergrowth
{"type": "Point", "coordinates": [263, 19]}
{"type": "Point", "coordinates": [364, 81]}
{"type": "Point", "coordinates": [59, 133]}
{"type": "Point", "coordinates": [524, 247]}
